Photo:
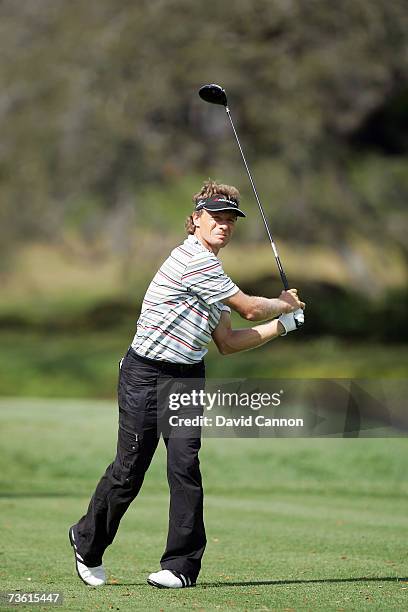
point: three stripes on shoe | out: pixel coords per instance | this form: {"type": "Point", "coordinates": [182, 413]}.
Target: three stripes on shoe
{"type": "Point", "coordinates": [78, 556]}
{"type": "Point", "coordinates": [185, 580]}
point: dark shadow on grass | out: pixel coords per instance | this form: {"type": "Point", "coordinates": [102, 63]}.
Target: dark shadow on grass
{"type": "Point", "coordinates": [255, 583]}
{"type": "Point", "coordinates": [311, 581]}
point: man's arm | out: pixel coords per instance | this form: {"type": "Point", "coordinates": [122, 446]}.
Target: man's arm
{"type": "Point", "coordinates": [255, 308]}
{"type": "Point", "coordinates": [230, 340]}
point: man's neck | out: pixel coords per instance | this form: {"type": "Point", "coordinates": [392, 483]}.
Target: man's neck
{"type": "Point", "coordinates": [205, 244]}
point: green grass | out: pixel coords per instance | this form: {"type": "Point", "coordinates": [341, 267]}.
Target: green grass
{"type": "Point", "coordinates": [84, 364]}
{"type": "Point", "coordinates": [292, 524]}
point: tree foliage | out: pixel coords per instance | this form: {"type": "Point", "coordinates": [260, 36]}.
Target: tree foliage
{"type": "Point", "coordinates": [99, 101]}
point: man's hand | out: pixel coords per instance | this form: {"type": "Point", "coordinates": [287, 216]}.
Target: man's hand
{"type": "Point", "coordinates": [291, 321]}
{"type": "Point", "coordinates": [290, 301]}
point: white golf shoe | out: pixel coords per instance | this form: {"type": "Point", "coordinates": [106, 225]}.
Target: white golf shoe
{"type": "Point", "coordinates": [92, 576]}
{"type": "Point", "coordinates": [169, 579]}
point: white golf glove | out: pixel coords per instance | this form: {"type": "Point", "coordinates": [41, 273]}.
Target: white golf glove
{"type": "Point", "coordinates": [292, 320]}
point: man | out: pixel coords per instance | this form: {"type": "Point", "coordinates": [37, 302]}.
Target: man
{"type": "Point", "coordinates": [187, 303]}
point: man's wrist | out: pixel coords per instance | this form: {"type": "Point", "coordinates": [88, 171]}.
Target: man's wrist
{"type": "Point", "coordinates": [280, 328]}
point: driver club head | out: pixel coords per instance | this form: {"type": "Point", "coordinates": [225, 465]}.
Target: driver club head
{"type": "Point", "coordinates": [214, 94]}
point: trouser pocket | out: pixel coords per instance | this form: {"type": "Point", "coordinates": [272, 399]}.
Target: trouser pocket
{"type": "Point", "coordinates": [127, 465]}
{"type": "Point", "coordinates": [128, 446]}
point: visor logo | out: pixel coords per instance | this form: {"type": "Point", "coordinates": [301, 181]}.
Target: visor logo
{"type": "Point", "coordinates": [230, 202]}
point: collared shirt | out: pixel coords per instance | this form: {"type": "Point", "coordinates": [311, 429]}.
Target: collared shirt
{"type": "Point", "coordinates": [182, 305]}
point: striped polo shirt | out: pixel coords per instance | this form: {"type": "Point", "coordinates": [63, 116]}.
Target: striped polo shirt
{"type": "Point", "coordinates": [182, 305]}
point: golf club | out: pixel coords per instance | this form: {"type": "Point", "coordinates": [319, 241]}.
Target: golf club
{"type": "Point", "coordinates": [215, 94]}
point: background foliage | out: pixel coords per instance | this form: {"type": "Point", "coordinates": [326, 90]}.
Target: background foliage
{"type": "Point", "coordinates": [104, 140]}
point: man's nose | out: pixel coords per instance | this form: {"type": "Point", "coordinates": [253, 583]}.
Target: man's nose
{"type": "Point", "coordinates": [224, 224]}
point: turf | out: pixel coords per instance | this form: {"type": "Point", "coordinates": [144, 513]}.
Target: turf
{"type": "Point", "coordinates": [84, 363]}
{"type": "Point", "coordinates": [292, 524]}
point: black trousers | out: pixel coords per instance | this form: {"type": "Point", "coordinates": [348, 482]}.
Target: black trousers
{"type": "Point", "coordinates": [142, 419]}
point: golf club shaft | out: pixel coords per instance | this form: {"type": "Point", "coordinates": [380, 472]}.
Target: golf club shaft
{"type": "Point", "coordinates": [274, 249]}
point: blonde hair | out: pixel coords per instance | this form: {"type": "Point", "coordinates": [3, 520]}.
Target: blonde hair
{"type": "Point", "coordinates": [209, 189]}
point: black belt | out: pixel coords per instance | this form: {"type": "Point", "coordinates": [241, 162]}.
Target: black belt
{"type": "Point", "coordinates": [166, 366]}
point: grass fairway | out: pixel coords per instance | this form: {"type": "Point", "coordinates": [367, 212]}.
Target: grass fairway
{"type": "Point", "coordinates": [84, 364]}
{"type": "Point", "coordinates": [292, 524]}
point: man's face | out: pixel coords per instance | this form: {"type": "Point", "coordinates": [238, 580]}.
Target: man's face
{"type": "Point", "coordinates": [216, 228]}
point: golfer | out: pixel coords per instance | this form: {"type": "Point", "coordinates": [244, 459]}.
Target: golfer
{"type": "Point", "coordinates": [187, 303]}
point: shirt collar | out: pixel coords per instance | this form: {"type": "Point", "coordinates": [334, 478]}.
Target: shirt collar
{"type": "Point", "coordinates": [191, 239]}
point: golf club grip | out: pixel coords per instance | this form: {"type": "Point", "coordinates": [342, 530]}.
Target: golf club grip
{"type": "Point", "coordinates": [282, 275]}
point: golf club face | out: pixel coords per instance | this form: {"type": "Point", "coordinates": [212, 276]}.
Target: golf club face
{"type": "Point", "coordinates": [214, 94]}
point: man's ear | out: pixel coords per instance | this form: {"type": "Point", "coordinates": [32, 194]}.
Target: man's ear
{"type": "Point", "coordinates": [196, 219]}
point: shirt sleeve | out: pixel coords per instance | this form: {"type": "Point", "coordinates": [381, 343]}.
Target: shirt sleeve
{"type": "Point", "coordinates": [205, 277]}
